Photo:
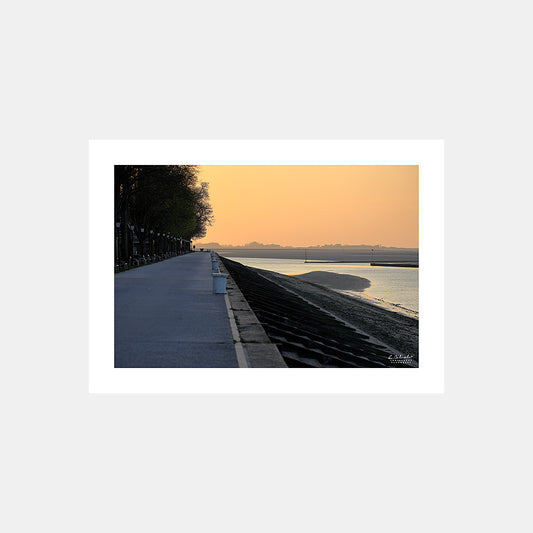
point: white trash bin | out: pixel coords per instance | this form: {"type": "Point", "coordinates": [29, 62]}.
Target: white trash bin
{"type": "Point", "coordinates": [219, 283]}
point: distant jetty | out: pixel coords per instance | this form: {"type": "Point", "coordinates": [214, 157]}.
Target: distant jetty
{"type": "Point", "coordinates": [409, 265]}
{"type": "Point", "coordinates": [325, 261]}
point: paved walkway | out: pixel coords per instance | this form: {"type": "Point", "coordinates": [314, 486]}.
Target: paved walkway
{"type": "Point", "coordinates": [166, 315]}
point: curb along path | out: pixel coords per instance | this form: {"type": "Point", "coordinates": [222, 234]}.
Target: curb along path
{"type": "Point", "coordinates": [258, 350]}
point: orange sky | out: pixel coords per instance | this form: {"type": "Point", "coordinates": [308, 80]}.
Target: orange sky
{"type": "Point", "coordinates": [309, 205]}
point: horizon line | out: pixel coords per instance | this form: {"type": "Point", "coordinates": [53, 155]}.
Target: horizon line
{"type": "Point", "coordinates": [328, 245]}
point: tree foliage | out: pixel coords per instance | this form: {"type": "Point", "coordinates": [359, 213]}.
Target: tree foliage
{"type": "Point", "coordinates": [164, 198]}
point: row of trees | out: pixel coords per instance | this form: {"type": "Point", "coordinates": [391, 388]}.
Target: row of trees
{"type": "Point", "coordinates": [165, 205]}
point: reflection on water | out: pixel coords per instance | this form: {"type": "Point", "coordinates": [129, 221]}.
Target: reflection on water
{"type": "Point", "coordinates": [391, 287]}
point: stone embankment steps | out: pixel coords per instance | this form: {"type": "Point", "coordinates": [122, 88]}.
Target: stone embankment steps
{"type": "Point", "coordinates": [305, 335]}
{"type": "Point", "coordinates": [258, 349]}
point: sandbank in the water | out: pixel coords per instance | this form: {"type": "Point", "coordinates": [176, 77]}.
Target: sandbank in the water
{"type": "Point", "coordinates": [342, 282]}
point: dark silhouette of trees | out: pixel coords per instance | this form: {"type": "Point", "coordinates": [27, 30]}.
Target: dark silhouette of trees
{"type": "Point", "coordinates": [166, 201]}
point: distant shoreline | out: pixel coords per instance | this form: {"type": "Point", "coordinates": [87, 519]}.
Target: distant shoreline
{"type": "Point", "coordinates": [309, 249]}
{"type": "Point", "coordinates": [322, 255]}
{"type": "Point", "coordinates": [388, 264]}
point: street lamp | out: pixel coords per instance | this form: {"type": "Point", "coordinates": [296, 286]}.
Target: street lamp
{"type": "Point", "coordinates": [117, 230]}
{"type": "Point", "coordinates": [132, 227]}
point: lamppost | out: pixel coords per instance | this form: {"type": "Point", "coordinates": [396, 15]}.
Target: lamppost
{"type": "Point", "coordinates": [151, 242]}
{"type": "Point", "coordinates": [142, 242]}
{"type": "Point", "coordinates": [132, 234]}
{"type": "Point", "coordinates": [117, 247]}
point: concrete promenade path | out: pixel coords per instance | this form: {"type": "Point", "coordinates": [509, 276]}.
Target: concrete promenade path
{"type": "Point", "coordinates": [166, 315]}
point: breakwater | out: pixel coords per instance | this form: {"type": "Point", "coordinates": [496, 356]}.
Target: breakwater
{"type": "Point", "coordinates": [303, 320]}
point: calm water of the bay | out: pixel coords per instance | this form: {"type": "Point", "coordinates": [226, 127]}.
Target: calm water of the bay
{"type": "Point", "coordinates": [393, 288]}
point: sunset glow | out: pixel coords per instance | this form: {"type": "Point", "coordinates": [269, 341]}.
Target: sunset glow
{"type": "Point", "coordinates": [310, 205]}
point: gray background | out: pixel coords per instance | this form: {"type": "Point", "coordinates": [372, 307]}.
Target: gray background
{"type": "Point", "coordinates": [295, 70]}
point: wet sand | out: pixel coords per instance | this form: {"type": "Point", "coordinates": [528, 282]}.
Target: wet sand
{"type": "Point", "coordinates": [394, 329]}
{"type": "Point", "coordinates": [335, 281]}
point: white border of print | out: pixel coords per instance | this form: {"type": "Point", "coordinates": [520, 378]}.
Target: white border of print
{"type": "Point", "coordinates": [428, 378]}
